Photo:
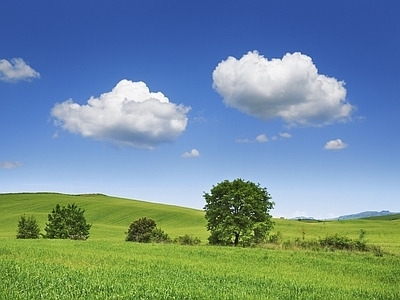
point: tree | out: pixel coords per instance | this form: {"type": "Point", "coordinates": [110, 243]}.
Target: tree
{"type": "Point", "coordinates": [28, 228]}
{"type": "Point", "coordinates": [238, 211]}
{"type": "Point", "coordinates": [144, 230]}
{"type": "Point", "coordinates": [67, 222]}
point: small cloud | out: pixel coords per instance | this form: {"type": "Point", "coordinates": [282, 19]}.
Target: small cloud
{"type": "Point", "coordinates": [289, 88]}
{"type": "Point", "coordinates": [55, 135]}
{"type": "Point", "coordinates": [10, 165]}
{"type": "Point", "coordinates": [335, 145]}
{"type": "Point", "coordinates": [16, 70]}
{"type": "Point", "coordinates": [285, 135]}
{"type": "Point", "coordinates": [129, 115]}
{"type": "Point", "coordinates": [192, 153]}
{"type": "Point", "coordinates": [262, 138]}
{"type": "Point", "coordinates": [243, 141]}
{"type": "Point", "coordinates": [274, 138]}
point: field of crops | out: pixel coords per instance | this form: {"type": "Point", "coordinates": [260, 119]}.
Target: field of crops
{"type": "Point", "coordinates": [107, 267]}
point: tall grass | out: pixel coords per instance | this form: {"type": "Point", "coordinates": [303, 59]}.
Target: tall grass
{"type": "Point", "coordinates": [64, 269]}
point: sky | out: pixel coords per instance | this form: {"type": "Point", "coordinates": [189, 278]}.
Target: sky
{"type": "Point", "coordinates": [161, 100]}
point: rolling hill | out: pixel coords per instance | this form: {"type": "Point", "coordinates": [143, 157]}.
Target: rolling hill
{"type": "Point", "coordinates": [110, 216]}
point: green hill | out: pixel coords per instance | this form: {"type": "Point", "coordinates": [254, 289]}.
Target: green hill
{"type": "Point", "coordinates": [110, 216]}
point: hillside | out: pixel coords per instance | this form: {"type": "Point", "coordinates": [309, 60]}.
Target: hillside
{"type": "Point", "coordinates": [110, 216]}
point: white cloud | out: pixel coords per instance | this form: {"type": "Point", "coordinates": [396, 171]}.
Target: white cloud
{"type": "Point", "coordinates": [15, 70]}
{"type": "Point", "coordinates": [289, 88]}
{"type": "Point", "coordinates": [335, 145]}
{"type": "Point", "coordinates": [243, 141]}
{"type": "Point", "coordinates": [262, 138]}
{"type": "Point", "coordinates": [192, 153]}
{"type": "Point", "coordinates": [129, 115]}
{"type": "Point", "coordinates": [285, 135]}
{"type": "Point", "coordinates": [9, 164]}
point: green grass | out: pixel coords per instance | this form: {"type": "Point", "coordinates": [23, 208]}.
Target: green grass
{"type": "Point", "coordinates": [64, 269]}
{"type": "Point", "coordinates": [107, 267]}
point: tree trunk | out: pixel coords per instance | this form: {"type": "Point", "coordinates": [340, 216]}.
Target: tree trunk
{"type": "Point", "coordinates": [236, 239]}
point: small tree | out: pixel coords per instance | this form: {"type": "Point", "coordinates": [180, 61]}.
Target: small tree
{"type": "Point", "coordinates": [28, 228]}
{"type": "Point", "coordinates": [140, 230]}
{"type": "Point", "coordinates": [238, 211]}
{"type": "Point", "coordinates": [67, 222]}
{"type": "Point", "coordinates": [144, 230]}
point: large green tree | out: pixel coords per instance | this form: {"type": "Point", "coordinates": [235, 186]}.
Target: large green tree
{"type": "Point", "coordinates": [238, 212]}
{"type": "Point", "coordinates": [67, 223]}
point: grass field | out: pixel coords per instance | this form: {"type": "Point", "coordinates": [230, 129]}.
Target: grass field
{"type": "Point", "coordinates": [107, 267]}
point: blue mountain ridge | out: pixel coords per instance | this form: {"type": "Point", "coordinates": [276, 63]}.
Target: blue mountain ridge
{"type": "Point", "coordinates": [364, 214]}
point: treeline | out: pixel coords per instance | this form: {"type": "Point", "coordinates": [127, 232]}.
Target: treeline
{"type": "Point", "coordinates": [68, 222]}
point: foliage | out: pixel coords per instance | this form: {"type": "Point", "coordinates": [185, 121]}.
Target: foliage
{"type": "Point", "coordinates": [342, 242]}
{"type": "Point", "coordinates": [28, 228]}
{"type": "Point", "coordinates": [159, 236]}
{"type": "Point", "coordinates": [187, 240]}
{"type": "Point", "coordinates": [67, 222]}
{"type": "Point", "coordinates": [144, 230]}
{"type": "Point", "coordinates": [237, 211]}
{"type": "Point", "coordinates": [276, 238]}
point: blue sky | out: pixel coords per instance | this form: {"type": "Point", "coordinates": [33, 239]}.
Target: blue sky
{"type": "Point", "coordinates": [161, 100]}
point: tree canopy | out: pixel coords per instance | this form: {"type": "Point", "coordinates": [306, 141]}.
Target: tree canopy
{"type": "Point", "coordinates": [28, 228]}
{"type": "Point", "coordinates": [144, 230]}
{"type": "Point", "coordinates": [238, 212]}
{"type": "Point", "coordinates": [67, 222]}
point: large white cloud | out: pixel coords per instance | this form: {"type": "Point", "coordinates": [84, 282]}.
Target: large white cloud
{"type": "Point", "coordinates": [16, 69]}
{"type": "Point", "coordinates": [129, 115]}
{"type": "Point", "coordinates": [289, 88]}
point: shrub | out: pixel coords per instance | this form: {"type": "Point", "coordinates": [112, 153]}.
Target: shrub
{"type": "Point", "coordinates": [67, 222]}
{"type": "Point", "coordinates": [28, 228]}
{"type": "Point", "coordinates": [187, 240]}
{"type": "Point", "coordinates": [144, 230]}
{"type": "Point", "coordinates": [159, 236]}
{"type": "Point", "coordinates": [275, 238]}
{"type": "Point", "coordinates": [342, 242]}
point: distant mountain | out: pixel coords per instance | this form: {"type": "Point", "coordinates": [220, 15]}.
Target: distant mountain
{"type": "Point", "coordinates": [365, 214]}
{"type": "Point", "coordinates": [302, 218]}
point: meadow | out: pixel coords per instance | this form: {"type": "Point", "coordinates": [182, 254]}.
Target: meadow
{"type": "Point", "coordinates": [107, 267]}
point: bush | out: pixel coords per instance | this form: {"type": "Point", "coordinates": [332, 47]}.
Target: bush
{"type": "Point", "coordinates": [187, 240]}
{"type": "Point", "coordinates": [28, 228]}
{"type": "Point", "coordinates": [159, 236]}
{"type": "Point", "coordinates": [144, 230]}
{"type": "Point", "coordinates": [276, 238]}
{"type": "Point", "coordinates": [67, 223]}
{"type": "Point", "coordinates": [342, 242]}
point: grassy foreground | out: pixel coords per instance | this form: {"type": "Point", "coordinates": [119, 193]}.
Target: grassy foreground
{"type": "Point", "coordinates": [64, 269]}
{"type": "Point", "coordinates": [107, 267]}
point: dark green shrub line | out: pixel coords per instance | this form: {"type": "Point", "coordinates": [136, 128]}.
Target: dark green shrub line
{"type": "Point", "coordinates": [145, 230]}
{"type": "Point", "coordinates": [330, 242]}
